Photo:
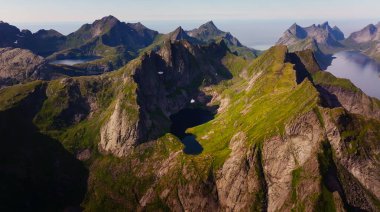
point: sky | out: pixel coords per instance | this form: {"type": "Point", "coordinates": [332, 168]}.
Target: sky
{"type": "Point", "coordinates": [148, 10]}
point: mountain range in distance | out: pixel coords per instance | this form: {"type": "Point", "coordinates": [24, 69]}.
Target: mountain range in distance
{"type": "Point", "coordinates": [325, 40]}
{"type": "Point", "coordinates": [184, 121]}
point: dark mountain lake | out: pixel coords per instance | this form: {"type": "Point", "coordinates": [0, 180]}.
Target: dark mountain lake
{"type": "Point", "coordinates": [188, 118]}
{"type": "Point", "coordinates": [71, 62]}
{"type": "Point", "coordinates": [359, 69]}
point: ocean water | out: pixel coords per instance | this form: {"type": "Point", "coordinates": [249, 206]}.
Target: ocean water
{"type": "Point", "coordinates": [359, 69]}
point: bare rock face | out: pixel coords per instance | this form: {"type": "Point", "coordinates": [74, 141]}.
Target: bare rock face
{"type": "Point", "coordinates": [355, 102]}
{"type": "Point", "coordinates": [281, 156]}
{"type": "Point", "coordinates": [367, 34]}
{"type": "Point", "coordinates": [237, 181]}
{"type": "Point", "coordinates": [17, 65]}
{"type": "Point", "coordinates": [119, 135]}
{"type": "Point", "coordinates": [359, 173]}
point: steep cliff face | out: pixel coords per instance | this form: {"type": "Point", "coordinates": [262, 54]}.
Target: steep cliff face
{"type": "Point", "coordinates": [166, 82]}
{"type": "Point", "coordinates": [239, 181]}
{"type": "Point", "coordinates": [290, 163]}
{"type": "Point", "coordinates": [120, 134]}
{"type": "Point", "coordinates": [342, 93]}
{"type": "Point", "coordinates": [354, 142]}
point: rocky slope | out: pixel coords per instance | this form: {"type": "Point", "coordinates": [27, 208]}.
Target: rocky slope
{"type": "Point", "coordinates": [365, 35]}
{"type": "Point", "coordinates": [322, 39]}
{"type": "Point", "coordinates": [286, 136]}
{"type": "Point", "coordinates": [18, 65]}
{"type": "Point", "coordinates": [366, 40]}
{"type": "Point", "coordinates": [325, 36]}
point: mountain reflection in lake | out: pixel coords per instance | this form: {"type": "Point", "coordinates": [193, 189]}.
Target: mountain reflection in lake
{"type": "Point", "coordinates": [360, 69]}
{"type": "Point", "coordinates": [185, 119]}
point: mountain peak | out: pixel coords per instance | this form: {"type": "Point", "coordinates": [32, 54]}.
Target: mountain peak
{"type": "Point", "coordinates": [298, 31]}
{"type": "Point", "coordinates": [179, 34]}
{"type": "Point", "coordinates": [294, 25]}
{"type": "Point", "coordinates": [110, 18]}
{"type": "Point", "coordinates": [107, 21]}
{"type": "Point", "coordinates": [209, 25]}
{"type": "Point", "coordinates": [325, 24]}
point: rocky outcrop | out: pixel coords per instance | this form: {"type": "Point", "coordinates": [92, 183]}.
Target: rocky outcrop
{"type": "Point", "coordinates": [238, 181]}
{"type": "Point", "coordinates": [18, 65]}
{"type": "Point", "coordinates": [120, 134]}
{"type": "Point", "coordinates": [358, 170]}
{"type": "Point", "coordinates": [297, 149]}
{"type": "Point", "coordinates": [180, 34]}
{"type": "Point", "coordinates": [355, 102]}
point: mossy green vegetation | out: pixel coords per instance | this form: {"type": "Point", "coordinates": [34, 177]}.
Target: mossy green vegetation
{"type": "Point", "coordinates": [360, 135]}
{"type": "Point", "coordinates": [326, 78]}
{"type": "Point", "coordinates": [93, 98]}
{"type": "Point", "coordinates": [325, 200]}
{"type": "Point", "coordinates": [272, 101]}
{"type": "Point", "coordinates": [118, 183]}
{"type": "Point", "coordinates": [296, 178]}
{"type": "Point", "coordinates": [10, 96]}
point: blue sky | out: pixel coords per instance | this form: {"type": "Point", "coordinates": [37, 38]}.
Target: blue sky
{"type": "Point", "coordinates": [143, 10]}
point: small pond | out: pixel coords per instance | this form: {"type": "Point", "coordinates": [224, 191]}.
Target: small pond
{"type": "Point", "coordinates": [188, 118]}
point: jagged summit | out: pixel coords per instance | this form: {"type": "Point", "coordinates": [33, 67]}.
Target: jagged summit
{"type": "Point", "coordinates": [323, 34]}
{"type": "Point", "coordinates": [206, 32]}
{"type": "Point", "coordinates": [298, 31]}
{"type": "Point", "coordinates": [325, 25]}
{"type": "Point", "coordinates": [210, 26]}
{"type": "Point", "coordinates": [179, 34]}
